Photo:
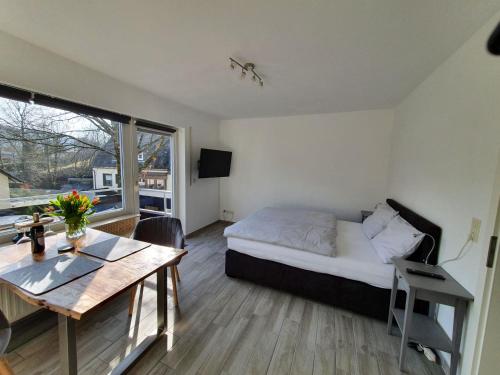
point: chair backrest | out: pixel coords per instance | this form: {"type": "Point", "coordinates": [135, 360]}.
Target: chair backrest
{"type": "Point", "coordinates": [4, 333]}
{"type": "Point", "coordinates": [163, 231]}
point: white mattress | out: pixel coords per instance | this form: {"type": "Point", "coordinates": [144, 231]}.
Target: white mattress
{"type": "Point", "coordinates": [355, 260]}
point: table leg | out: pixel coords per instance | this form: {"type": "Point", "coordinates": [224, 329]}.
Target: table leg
{"type": "Point", "coordinates": [392, 303]}
{"type": "Point", "coordinates": [458, 322]}
{"type": "Point", "coordinates": [161, 299]}
{"type": "Point", "coordinates": [410, 302]}
{"type": "Point", "coordinates": [161, 307]}
{"type": "Point", "coordinates": [67, 345]}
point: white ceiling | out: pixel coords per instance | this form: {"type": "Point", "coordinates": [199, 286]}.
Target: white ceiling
{"type": "Point", "coordinates": [315, 56]}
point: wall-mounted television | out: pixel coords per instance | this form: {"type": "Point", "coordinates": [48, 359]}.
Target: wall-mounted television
{"type": "Point", "coordinates": [214, 163]}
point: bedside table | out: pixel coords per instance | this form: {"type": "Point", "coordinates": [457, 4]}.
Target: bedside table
{"type": "Point", "coordinates": [423, 329]}
{"type": "Point", "coordinates": [365, 214]}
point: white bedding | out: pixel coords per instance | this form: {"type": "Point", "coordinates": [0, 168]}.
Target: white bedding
{"type": "Point", "coordinates": [356, 259]}
{"type": "Point", "coordinates": [306, 230]}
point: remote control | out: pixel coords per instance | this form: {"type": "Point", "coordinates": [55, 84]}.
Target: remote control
{"type": "Point", "coordinates": [65, 248]}
{"type": "Point", "coordinates": [425, 273]}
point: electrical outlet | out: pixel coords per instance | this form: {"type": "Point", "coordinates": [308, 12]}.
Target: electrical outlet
{"type": "Point", "coordinates": [227, 215]}
{"type": "Point", "coordinates": [474, 229]}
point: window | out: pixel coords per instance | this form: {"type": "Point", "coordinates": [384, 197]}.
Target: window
{"type": "Point", "coordinates": [155, 171]}
{"type": "Point", "coordinates": [107, 179]}
{"type": "Point", "coordinates": [45, 151]}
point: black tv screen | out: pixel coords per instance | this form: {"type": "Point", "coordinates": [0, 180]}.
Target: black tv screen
{"type": "Point", "coordinates": [214, 163]}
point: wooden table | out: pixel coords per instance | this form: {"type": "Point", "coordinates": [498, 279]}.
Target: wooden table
{"type": "Point", "coordinates": [73, 301]}
{"type": "Point", "coordinates": [423, 329]}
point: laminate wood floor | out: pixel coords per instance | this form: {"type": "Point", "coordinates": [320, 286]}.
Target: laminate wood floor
{"type": "Point", "coordinates": [226, 326]}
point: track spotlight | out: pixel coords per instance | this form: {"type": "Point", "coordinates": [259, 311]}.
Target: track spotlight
{"type": "Point", "coordinates": [245, 68]}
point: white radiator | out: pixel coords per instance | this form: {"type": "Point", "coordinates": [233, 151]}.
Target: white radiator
{"type": "Point", "coordinates": [12, 306]}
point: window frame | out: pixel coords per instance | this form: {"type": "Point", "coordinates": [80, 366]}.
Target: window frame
{"type": "Point", "coordinates": [166, 131]}
{"type": "Point", "coordinates": [6, 235]}
{"type": "Point", "coordinates": [128, 127]}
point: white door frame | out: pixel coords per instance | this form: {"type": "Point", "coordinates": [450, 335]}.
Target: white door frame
{"type": "Point", "coordinates": [491, 274]}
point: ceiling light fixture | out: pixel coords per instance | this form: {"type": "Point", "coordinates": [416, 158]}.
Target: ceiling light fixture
{"type": "Point", "coordinates": [248, 67]}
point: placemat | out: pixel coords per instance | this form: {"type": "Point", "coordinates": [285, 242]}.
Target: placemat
{"type": "Point", "coordinates": [46, 275]}
{"type": "Point", "coordinates": [114, 248]}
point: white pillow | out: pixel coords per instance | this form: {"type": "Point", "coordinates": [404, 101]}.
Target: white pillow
{"type": "Point", "coordinates": [398, 239]}
{"type": "Point", "coordinates": [376, 222]}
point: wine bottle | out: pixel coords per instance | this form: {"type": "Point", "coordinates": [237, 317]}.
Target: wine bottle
{"type": "Point", "coordinates": [37, 234]}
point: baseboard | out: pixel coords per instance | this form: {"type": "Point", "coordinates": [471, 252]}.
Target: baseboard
{"type": "Point", "coordinates": [198, 231]}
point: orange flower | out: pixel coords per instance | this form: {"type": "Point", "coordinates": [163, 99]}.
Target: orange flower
{"type": "Point", "coordinates": [75, 192]}
{"type": "Point", "coordinates": [95, 201]}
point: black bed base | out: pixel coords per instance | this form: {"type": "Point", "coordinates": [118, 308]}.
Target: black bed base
{"type": "Point", "coordinates": [347, 294]}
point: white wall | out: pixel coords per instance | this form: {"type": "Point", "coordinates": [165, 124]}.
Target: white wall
{"type": "Point", "coordinates": [203, 206]}
{"type": "Point", "coordinates": [333, 162]}
{"type": "Point", "coordinates": [27, 66]}
{"type": "Point", "coordinates": [445, 147]}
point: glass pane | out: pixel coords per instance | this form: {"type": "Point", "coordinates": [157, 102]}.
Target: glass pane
{"type": "Point", "coordinates": [155, 173]}
{"type": "Point", "coordinates": [46, 151]}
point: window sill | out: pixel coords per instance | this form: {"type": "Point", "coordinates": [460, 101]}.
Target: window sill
{"type": "Point", "coordinates": [113, 220]}
{"type": "Point", "coordinates": [100, 220]}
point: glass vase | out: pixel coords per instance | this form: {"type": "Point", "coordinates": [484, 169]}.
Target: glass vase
{"type": "Point", "coordinates": [75, 230]}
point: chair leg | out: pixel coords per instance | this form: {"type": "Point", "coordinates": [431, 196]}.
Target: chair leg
{"type": "Point", "coordinates": [5, 368]}
{"type": "Point", "coordinates": [177, 273]}
{"type": "Point", "coordinates": [174, 285]}
{"type": "Point", "coordinates": [133, 292]}
{"type": "Point", "coordinates": [131, 300]}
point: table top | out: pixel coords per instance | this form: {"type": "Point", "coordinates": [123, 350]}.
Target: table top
{"type": "Point", "coordinates": [86, 293]}
{"type": "Point", "coordinates": [448, 286]}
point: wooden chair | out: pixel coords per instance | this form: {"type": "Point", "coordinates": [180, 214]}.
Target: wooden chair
{"type": "Point", "coordinates": [163, 231]}
{"type": "Point", "coordinates": [4, 342]}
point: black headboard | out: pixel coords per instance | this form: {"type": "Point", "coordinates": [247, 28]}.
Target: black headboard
{"type": "Point", "coordinates": [423, 225]}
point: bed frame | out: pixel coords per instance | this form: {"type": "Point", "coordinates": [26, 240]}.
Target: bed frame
{"type": "Point", "coordinates": [348, 294]}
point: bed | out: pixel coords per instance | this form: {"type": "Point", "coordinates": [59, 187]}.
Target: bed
{"type": "Point", "coordinates": [355, 279]}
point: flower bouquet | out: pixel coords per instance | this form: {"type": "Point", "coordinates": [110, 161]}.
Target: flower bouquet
{"type": "Point", "coordinates": [75, 209]}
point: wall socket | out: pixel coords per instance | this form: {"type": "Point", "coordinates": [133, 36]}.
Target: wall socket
{"type": "Point", "coordinates": [474, 229]}
{"type": "Point", "coordinates": [227, 215]}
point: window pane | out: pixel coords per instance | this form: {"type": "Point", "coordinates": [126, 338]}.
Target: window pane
{"type": "Point", "coordinates": [46, 151]}
{"type": "Point", "coordinates": [155, 173]}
